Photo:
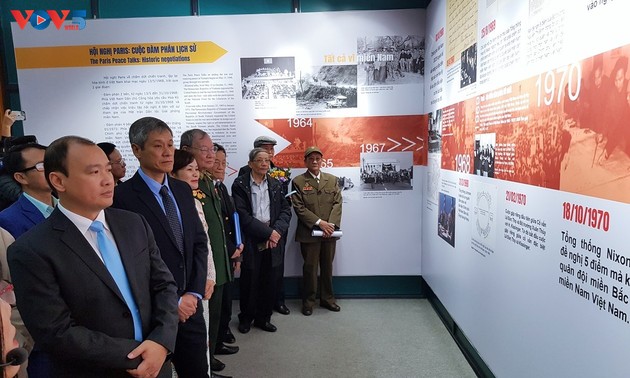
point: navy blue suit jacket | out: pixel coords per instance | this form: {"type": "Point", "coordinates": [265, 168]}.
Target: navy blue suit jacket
{"type": "Point", "coordinates": [20, 217]}
{"type": "Point", "coordinates": [190, 266]}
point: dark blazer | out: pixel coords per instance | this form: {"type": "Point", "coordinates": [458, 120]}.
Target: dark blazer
{"type": "Point", "coordinates": [245, 170]}
{"type": "Point", "coordinates": [72, 306]}
{"type": "Point", "coordinates": [254, 231]}
{"type": "Point", "coordinates": [227, 212]}
{"type": "Point", "coordinates": [190, 267]}
{"type": "Point", "coordinates": [20, 217]}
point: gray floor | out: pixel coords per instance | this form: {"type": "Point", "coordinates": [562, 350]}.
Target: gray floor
{"type": "Point", "coordinates": [368, 338]}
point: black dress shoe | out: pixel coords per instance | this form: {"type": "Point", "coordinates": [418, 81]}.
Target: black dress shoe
{"type": "Point", "coordinates": [214, 375]}
{"type": "Point", "coordinates": [225, 349]}
{"type": "Point", "coordinates": [229, 337]}
{"type": "Point", "coordinates": [307, 311]}
{"type": "Point", "coordinates": [282, 309]}
{"type": "Point", "coordinates": [216, 365]}
{"type": "Point", "coordinates": [244, 327]}
{"type": "Point", "coordinates": [266, 326]}
{"type": "Point", "coordinates": [332, 306]}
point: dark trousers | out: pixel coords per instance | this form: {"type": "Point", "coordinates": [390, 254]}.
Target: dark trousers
{"type": "Point", "coordinates": [226, 312]}
{"type": "Point", "coordinates": [280, 284]}
{"type": "Point", "coordinates": [317, 254]}
{"type": "Point", "coordinates": [190, 358]}
{"type": "Point", "coordinates": [214, 315]}
{"type": "Point", "coordinates": [39, 364]}
{"type": "Point", "coordinates": [257, 289]}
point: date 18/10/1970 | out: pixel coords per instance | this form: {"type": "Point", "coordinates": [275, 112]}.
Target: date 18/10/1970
{"type": "Point", "coordinates": [594, 218]}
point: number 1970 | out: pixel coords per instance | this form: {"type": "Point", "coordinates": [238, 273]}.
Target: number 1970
{"type": "Point", "coordinates": [554, 83]}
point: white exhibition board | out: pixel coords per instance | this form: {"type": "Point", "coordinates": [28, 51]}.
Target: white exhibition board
{"type": "Point", "coordinates": [525, 205]}
{"type": "Point", "coordinates": [349, 82]}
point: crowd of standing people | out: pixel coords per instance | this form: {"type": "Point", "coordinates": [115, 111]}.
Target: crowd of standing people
{"type": "Point", "coordinates": [108, 275]}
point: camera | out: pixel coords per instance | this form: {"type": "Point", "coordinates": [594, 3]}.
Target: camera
{"type": "Point", "coordinates": [19, 115]}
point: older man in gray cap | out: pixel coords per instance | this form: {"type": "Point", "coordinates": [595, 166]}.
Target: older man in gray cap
{"type": "Point", "coordinates": [268, 144]}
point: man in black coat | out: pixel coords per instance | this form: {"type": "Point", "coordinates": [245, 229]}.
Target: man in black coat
{"type": "Point", "coordinates": [269, 144]}
{"type": "Point", "coordinates": [264, 216]}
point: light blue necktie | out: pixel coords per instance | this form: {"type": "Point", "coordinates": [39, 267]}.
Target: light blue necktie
{"type": "Point", "coordinates": [113, 263]}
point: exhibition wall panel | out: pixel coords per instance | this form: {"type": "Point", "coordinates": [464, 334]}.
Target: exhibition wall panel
{"type": "Point", "coordinates": [526, 203]}
{"type": "Point", "coordinates": [354, 88]}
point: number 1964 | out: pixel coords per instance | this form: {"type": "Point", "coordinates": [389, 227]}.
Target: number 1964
{"type": "Point", "coordinates": [300, 122]}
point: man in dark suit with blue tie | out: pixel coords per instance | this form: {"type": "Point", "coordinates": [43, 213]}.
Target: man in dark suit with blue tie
{"type": "Point", "coordinates": [89, 281]}
{"type": "Point", "coordinates": [169, 208]}
{"type": "Point", "coordinates": [25, 163]}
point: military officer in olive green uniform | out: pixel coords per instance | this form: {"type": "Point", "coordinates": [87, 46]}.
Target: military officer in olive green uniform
{"type": "Point", "coordinates": [199, 143]}
{"type": "Point", "coordinates": [317, 204]}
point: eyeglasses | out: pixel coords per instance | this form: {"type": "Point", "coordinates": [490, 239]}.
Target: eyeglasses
{"type": "Point", "coordinates": [120, 162]}
{"type": "Point", "coordinates": [205, 150]}
{"type": "Point", "coordinates": [39, 167]}
{"type": "Point", "coordinates": [220, 163]}
{"type": "Point", "coordinates": [260, 161]}
{"type": "Point", "coordinates": [6, 292]}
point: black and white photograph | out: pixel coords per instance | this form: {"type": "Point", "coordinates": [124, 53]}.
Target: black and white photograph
{"type": "Point", "coordinates": [390, 60]}
{"type": "Point", "coordinates": [327, 87]}
{"type": "Point", "coordinates": [484, 154]}
{"type": "Point", "coordinates": [435, 131]}
{"type": "Point", "coordinates": [446, 219]}
{"type": "Point", "coordinates": [468, 72]}
{"type": "Point", "coordinates": [387, 171]}
{"type": "Point", "coordinates": [268, 78]}
{"type": "Point", "coordinates": [345, 183]}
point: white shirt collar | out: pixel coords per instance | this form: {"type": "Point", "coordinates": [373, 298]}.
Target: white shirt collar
{"type": "Point", "coordinates": [81, 222]}
{"type": "Point", "coordinates": [253, 182]}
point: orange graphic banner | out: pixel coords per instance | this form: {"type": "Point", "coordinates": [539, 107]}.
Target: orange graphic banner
{"type": "Point", "coordinates": [344, 139]}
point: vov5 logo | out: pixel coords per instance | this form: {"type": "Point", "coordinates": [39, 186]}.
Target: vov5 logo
{"type": "Point", "coordinates": [40, 19]}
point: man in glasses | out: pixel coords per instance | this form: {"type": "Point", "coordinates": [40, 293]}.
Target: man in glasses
{"type": "Point", "coordinates": [268, 144]}
{"type": "Point", "coordinates": [199, 143]}
{"type": "Point", "coordinates": [25, 163]}
{"type": "Point", "coordinates": [119, 167]}
{"type": "Point", "coordinates": [265, 215]}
